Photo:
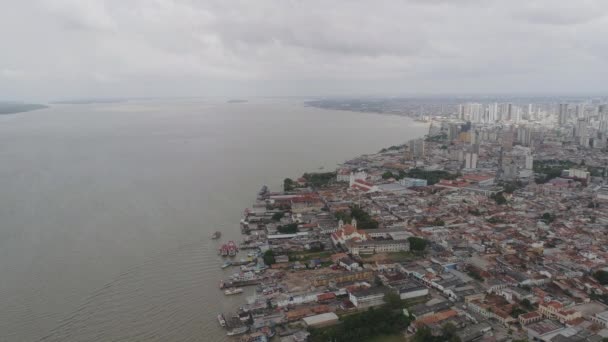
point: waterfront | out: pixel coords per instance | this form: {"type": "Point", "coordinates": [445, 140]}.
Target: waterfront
{"type": "Point", "coordinates": [107, 210]}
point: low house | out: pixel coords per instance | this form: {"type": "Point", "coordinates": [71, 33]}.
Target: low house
{"type": "Point", "coordinates": [280, 259]}
{"type": "Point", "coordinates": [556, 310]}
{"type": "Point", "coordinates": [349, 264]}
{"type": "Point", "coordinates": [473, 332]}
{"type": "Point", "coordinates": [322, 320]}
{"type": "Point", "coordinates": [529, 317]}
{"type": "Point", "coordinates": [544, 330]}
{"type": "Point", "coordinates": [432, 319]}
{"type": "Point", "coordinates": [601, 318]}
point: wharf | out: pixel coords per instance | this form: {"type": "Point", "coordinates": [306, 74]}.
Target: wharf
{"type": "Point", "coordinates": [239, 283]}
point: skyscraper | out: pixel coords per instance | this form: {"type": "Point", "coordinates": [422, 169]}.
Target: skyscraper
{"type": "Point", "coordinates": [493, 112]}
{"type": "Point", "coordinates": [470, 160]}
{"type": "Point", "coordinates": [580, 110]}
{"type": "Point", "coordinates": [602, 115]}
{"type": "Point", "coordinates": [562, 114]}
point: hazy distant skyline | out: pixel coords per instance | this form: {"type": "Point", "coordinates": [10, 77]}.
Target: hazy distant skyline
{"type": "Point", "coordinates": [58, 49]}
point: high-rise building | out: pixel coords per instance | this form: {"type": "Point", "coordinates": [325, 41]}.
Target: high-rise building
{"type": "Point", "coordinates": [453, 131]}
{"type": "Point", "coordinates": [470, 160]}
{"type": "Point", "coordinates": [580, 110]}
{"type": "Point", "coordinates": [493, 112]}
{"type": "Point", "coordinates": [581, 128]}
{"type": "Point", "coordinates": [515, 114]}
{"type": "Point", "coordinates": [529, 163]}
{"type": "Point", "coordinates": [416, 149]}
{"type": "Point", "coordinates": [507, 140]}
{"type": "Point", "coordinates": [524, 135]}
{"type": "Point", "coordinates": [602, 114]}
{"type": "Point", "coordinates": [505, 110]}
{"type": "Point", "coordinates": [562, 114]}
{"type": "Point", "coordinates": [471, 111]}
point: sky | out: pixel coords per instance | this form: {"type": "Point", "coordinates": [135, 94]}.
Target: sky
{"type": "Point", "coordinates": [69, 49]}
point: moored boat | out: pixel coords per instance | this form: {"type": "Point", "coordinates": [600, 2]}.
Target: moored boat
{"type": "Point", "coordinates": [233, 291]}
{"type": "Point", "coordinates": [221, 319]}
{"type": "Point", "coordinates": [226, 264]}
{"type": "Point", "coordinates": [229, 249]}
{"type": "Point", "coordinates": [238, 331]}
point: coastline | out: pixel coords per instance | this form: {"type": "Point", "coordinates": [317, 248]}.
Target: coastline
{"type": "Point", "coordinates": [8, 108]}
{"type": "Point", "coordinates": [258, 270]}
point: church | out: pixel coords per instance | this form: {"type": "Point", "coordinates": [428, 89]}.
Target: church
{"type": "Point", "coordinates": [348, 233]}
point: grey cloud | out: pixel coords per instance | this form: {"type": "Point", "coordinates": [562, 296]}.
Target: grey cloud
{"type": "Point", "coordinates": [71, 48]}
{"type": "Point", "coordinates": [563, 12]}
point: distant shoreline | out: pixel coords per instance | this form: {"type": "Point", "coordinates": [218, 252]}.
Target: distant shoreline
{"type": "Point", "coordinates": [7, 108]}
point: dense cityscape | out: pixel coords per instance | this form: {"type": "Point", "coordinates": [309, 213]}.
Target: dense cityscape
{"type": "Point", "coordinates": [491, 228]}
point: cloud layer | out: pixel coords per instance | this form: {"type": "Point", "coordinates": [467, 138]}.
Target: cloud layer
{"type": "Point", "coordinates": [75, 48]}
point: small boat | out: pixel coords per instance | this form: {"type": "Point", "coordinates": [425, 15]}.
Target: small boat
{"type": "Point", "coordinates": [238, 331]}
{"type": "Point", "coordinates": [220, 318]}
{"type": "Point", "coordinates": [216, 235]}
{"type": "Point", "coordinates": [229, 249]}
{"type": "Point", "coordinates": [233, 291]}
{"type": "Point", "coordinates": [226, 264]}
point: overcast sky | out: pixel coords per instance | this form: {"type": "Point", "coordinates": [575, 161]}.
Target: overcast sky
{"type": "Point", "coordinates": [58, 49]}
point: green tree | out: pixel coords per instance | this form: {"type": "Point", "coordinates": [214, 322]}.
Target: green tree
{"type": "Point", "coordinates": [448, 334]}
{"type": "Point", "coordinates": [439, 222]}
{"type": "Point", "coordinates": [525, 303]}
{"type": "Point", "coordinates": [278, 216]}
{"type": "Point", "coordinates": [393, 301]}
{"type": "Point", "coordinates": [388, 175]}
{"type": "Point", "coordinates": [510, 187]}
{"type": "Point", "coordinates": [364, 220]}
{"type": "Point", "coordinates": [319, 179]}
{"type": "Point", "coordinates": [499, 198]}
{"type": "Point", "coordinates": [363, 326]}
{"type": "Point", "coordinates": [475, 275]}
{"type": "Point", "coordinates": [432, 177]}
{"type": "Point", "coordinates": [269, 257]}
{"type": "Point", "coordinates": [517, 311]}
{"type": "Point", "coordinates": [601, 276]}
{"type": "Point", "coordinates": [495, 220]}
{"type": "Point", "coordinates": [475, 212]}
{"type": "Point", "coordinates": [288, 184]}
{"type": "Point", "coordinates": [291, 228]}
{"type": "Point", "coordinates": [417, 244]}
{"type": "Point", "coordinates": [547, 217]}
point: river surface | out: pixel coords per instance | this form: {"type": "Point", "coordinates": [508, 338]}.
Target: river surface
{"type": "Point", "coordinates": [106, 209]}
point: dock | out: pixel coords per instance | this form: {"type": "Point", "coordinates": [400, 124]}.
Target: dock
{"type": "Point", "coordinates": [239, 283]}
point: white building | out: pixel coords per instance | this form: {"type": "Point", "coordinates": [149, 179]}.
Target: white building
{"type": "Point", "coordinates": [343, 175]}
{"type": "Point", "coordinates": [378, 246]}
{"type": "Point", "coordinates": [359, 175]}
{"type": "Point", "coordinates": [373, 296]}
{"type": "Point", "coordinates": [412, 290]}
